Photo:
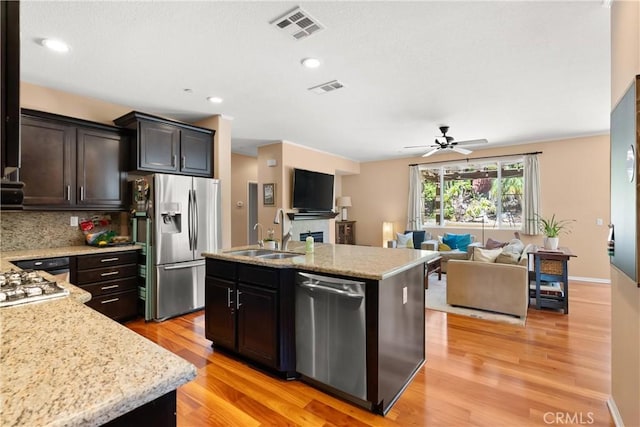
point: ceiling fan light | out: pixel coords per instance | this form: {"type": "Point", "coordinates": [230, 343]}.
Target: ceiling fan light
{"type": "Point", "coordinates": [55, 45]}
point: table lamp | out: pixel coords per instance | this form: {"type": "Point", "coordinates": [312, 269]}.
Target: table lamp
{"type": "Point", "coordinates": [344, 202]}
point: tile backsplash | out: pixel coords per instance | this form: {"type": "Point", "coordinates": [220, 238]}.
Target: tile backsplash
{"type": "Point", "coordinates": [33, 230]}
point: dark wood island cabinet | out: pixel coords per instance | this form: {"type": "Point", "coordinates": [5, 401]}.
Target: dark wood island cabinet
{"type": "Point", "coordinates": [249, 311]}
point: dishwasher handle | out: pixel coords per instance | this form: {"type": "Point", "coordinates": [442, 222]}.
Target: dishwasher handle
{"type": "Point", "coordinates": [314, 286]}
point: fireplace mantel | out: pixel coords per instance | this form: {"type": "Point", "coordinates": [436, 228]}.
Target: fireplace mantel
{"type": "Point", "coordinates": [311, 215]}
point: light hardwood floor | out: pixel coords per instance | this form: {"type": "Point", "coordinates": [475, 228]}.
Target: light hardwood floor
{"type": "Point", "coordinates": [554, 371]}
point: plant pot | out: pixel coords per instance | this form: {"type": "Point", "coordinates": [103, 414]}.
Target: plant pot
{"type": "Point", "coordinates": [551, 243]}
{"type": "Point", "coordinates": [270, 244]}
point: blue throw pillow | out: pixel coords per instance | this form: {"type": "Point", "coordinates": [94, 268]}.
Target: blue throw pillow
{"type": "Point", "coordinates": [463, 240]}
{"type": "Point", "coordinates": [450, 240]}
{"type": "Point", "coordinates": [457, 241]}
{"type": "Point", "coordinates": [418, 238]}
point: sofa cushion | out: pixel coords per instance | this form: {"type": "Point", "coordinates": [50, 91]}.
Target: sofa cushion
{"type": "Point", "coordinates": [508, 258]}
{"type": "Point", "coordinates": [405, 240]}
{"type": "Point", "coordinates": [450, 240]}
{"type": "Point", "coordinates": [486, 255]}
{"type": "Point", "coordinates": [418, 237]}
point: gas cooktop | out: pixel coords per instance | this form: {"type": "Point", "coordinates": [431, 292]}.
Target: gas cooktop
{"type": "Point", "coordinates": [21, 287]}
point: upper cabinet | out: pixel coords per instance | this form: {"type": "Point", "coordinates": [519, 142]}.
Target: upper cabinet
{"type": "Point", "coordinates": [168, 146]}
{"type": "Point", "coordinates": [69, 163]}
{"type": "Point", "coordinates": [10, 91]}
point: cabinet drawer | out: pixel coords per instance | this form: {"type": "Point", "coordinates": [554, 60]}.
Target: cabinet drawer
{"type": "Point", "coordinates": [117, 306]}
{"type": "Point", "coordinates": [221, 269]}
{"type": "Point", "coordinates": [108, 259]}
{"type": "Point", "coordinates": [112, 286]}
{"type": "Point", "coordinates": [258, 276]}
{"type": "Point", "coordinates": [107, 273]}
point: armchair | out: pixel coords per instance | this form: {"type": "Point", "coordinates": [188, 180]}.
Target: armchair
{"type": "Point", "coordinates": [434, 245]}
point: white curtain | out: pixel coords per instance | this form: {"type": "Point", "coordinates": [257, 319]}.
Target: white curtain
{"type": "Point", "coordinates": [531, 195]}
{"type": "Point", "coordinates": [415, 206]}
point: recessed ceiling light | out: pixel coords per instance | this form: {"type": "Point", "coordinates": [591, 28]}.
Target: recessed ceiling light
{"type": "Point", "coordinates": [310, 62]}
{"type": "Point", "coordinates": [214, 99]}
{"type": "Point", "coordinates": [55, 45]}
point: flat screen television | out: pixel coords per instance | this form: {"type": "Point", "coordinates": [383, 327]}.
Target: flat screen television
{"type": "Point", "coordinates": [312, 191]}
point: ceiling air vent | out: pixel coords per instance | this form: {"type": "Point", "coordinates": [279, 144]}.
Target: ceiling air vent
{"type": "Point", "coordinates": [327, 87]}
{"type": "Point", "coordinates": [298, 24]}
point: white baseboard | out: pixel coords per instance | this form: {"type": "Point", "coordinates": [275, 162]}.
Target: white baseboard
{"type": "Point", "coordinates": [615, 414]}
{"type": "Point", "coordinates": [590, 279]}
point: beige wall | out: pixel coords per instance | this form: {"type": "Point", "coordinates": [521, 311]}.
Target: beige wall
{"type": "Point", "coordinates": [67, 104]}
{"type": "Point", "coordinates": [244, 169]}
{"type": "Point", "coordinates": [625, 295]}
{"type": "Point", "coordinates": [222, 169]}
{"type": "Point", "coordinates": [288, 156]}
{"type": "Point", "coordinates": [574, 184]}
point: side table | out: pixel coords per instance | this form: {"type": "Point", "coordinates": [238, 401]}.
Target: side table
{"type": "Point", "coordinates": [551, 266]}
{"type": "Point", "coordinates": [432, 266]}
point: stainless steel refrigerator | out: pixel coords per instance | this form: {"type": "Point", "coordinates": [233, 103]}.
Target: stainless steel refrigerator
{"type": "Point", "coordinates": [185, 212]}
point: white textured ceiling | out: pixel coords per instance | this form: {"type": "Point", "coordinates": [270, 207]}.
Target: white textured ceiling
{"type": "Point", "coordinates": [510, 72]}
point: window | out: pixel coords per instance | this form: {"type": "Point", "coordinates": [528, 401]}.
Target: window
{"type": "Point", "coordinates": [488, 194]}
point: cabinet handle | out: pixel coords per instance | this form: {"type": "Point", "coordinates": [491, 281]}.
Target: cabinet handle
{"type": "Point", "coordinates": [183, 160]}
{"type": "Point", "coordinates": [229, 297]}
{"type": "Point", "coordinates": [109, 259]}
{"type": "Point", "coordinates": [68, 197]}
{"type": "Point", "coordinates": [104, 288]}
{"type": "Point", "coordinates": [82, 193]}
{"type": "Point", "coordinates": [107, 301]}
{"type": "Point", "coordinates": [238, 304]}
{"type": "Point", "coordinates": [111, 273]}
{"type": "Point", "coordinates": [173, 160]}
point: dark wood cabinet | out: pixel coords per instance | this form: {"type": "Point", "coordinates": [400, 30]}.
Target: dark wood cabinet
{"type": "Point", "coordinates": [257, 324]}
{"type": "Point", "coordinates": [346, 232]}
{"type": "Point", "coordinates": [249, 311]}
{"type": "Point", "coordinates": [158, 146]}
{"type": "Point", "coordinates": [10, 90]}
{"type": "Point", "coordinates": [220, 313]}
{"type": "Point", "coordinates": [112, 280]}
{"type": "Point", "coordinates": [169, 146]}
{"type": "Point", "coordinates": [72, 164]}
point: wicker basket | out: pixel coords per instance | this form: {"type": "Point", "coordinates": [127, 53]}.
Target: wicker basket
{"type": "Point", "coordinates": [551, 266]}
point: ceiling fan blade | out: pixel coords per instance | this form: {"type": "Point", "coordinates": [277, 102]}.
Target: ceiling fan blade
{"type": "Point", "coordinates": [428, 153]}
{"type": "Point", "coordinates": [473, 142]}
{"type": "Point", "coordinates": [461, 150]}
{"type": "Point", "coordinates": [419, 146]}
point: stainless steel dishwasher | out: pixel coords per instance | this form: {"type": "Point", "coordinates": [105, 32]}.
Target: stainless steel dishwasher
{"type": "Point", "coordinates": [331, 332]}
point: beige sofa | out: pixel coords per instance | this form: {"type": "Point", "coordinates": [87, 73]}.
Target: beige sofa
{"type": "Point", "coordinates": [503, 288]}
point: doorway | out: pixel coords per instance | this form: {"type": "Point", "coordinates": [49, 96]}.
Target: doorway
{"type": "Point", "coordinates": [252, 212]}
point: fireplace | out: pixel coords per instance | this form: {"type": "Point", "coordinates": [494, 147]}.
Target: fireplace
{"type": "Point", "coordinates": [318, 236]}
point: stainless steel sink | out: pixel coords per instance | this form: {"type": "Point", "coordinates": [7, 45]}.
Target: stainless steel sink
{"type": "Point", "coordinates": [279, 255]}
{"type": "Point", "coordinates": [263, 253]}
{"type": "Point", "coordinates": [252, 252]}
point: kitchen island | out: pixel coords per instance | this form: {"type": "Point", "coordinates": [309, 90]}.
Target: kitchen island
{"type": "Point", "coordinates": [252, 303]}
{"type": "Point", "coordinates": [64, 363]}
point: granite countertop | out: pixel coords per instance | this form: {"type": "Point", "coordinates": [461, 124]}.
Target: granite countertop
{"type": "Point", "coordinates": [61, 251]}
{"type": "Point", "coordinates": [64, 363]}
{"type": "Point", "coordinates": [365, 262]}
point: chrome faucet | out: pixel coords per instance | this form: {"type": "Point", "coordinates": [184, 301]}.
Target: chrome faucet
{"type": "Point", "coordinates": [261, 240]}
{"type": "Point", "coordinates": [285, 237]}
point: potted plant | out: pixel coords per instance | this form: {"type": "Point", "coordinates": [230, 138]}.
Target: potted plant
{"type": "Point", "coordinates": [552, 228]}
{"type": "Point", "coordinates": [270, 241]}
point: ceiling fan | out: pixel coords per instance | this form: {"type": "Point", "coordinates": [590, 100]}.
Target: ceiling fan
{"type": "Point", "coordinates": [446, 142]}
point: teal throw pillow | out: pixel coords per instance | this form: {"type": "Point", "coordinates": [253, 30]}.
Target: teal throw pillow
{"type": "Point", "coordinates": [450, 240]}
{"type": "Point", "coordinates": [463, 241]}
